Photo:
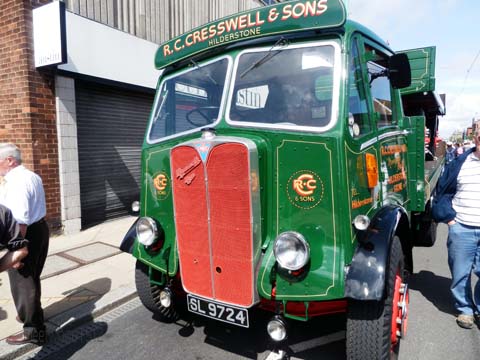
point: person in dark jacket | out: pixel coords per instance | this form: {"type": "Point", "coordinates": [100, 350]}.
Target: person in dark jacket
{"type": "Point", "coordinates": [457, 203]}
{"type": "Point", "coordinates": [450, 153]}
{"type": "Point", "coordinates": [11, 239]}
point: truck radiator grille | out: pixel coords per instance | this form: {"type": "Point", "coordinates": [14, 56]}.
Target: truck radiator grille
{"type": "Point", "coordinates": [213, 219]}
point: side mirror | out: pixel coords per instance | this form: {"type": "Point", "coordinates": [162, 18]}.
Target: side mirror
{"type": "Point", "coordinates": [399, 71]}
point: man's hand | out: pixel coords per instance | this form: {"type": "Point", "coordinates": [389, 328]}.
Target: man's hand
{"type": "Point", "coordinates": [18, 256]}
{"type": "Point", "coordinates": [13, 259]}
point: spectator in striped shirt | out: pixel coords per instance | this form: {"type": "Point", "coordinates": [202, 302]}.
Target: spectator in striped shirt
{"type": "Point", "coordinates": [457, 203]}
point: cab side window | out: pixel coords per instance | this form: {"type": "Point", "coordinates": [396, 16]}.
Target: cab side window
{"type": "Point", "coordinates": [357, 101]}
{"type": "Point", "coordinates": [381, 92]}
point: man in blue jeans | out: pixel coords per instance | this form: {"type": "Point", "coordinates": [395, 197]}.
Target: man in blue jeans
{"type": "Point", "coordinates": [457, 203]}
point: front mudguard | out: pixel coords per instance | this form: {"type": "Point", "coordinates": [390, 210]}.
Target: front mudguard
{"type": "Point", "coordinates": [365, 278]}
{"type": "Point", "coordinates": [129, 239]}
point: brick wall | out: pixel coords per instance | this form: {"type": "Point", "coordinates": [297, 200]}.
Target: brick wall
{"type": "Point", "coordinates": [27, 100]}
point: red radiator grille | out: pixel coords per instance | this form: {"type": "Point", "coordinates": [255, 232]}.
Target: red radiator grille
{"type": "Point", "coordinates": [216, 257]}
{"type": "Point", "coordinates": [230, 223]}
{"type": "Point", "coordinates": [191, 217]}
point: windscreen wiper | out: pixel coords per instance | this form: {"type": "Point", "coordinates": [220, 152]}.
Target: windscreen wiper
{"type": "Point", "coordinates": [270, 54]}
{"type": "Point", "coordinates": [204, 72]}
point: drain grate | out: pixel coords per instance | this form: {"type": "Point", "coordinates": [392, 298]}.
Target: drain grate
{"type": "Point", "coordinates": [63, 344]}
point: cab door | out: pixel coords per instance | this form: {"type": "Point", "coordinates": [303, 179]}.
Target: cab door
{"type": "Point", "coordinates": [361, 151]}
{"type": "Point", "coordinates": [386, 110]}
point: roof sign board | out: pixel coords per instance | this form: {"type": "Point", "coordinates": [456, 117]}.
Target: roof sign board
{"type": "Point", "coordinates": [49, 34]}
{"type": "Point", "coordinates": [275, 19]}
{"type": "Point", "coordinates": [422, 65]}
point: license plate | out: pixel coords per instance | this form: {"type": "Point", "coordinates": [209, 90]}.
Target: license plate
{"type": "Point", "coordinates": [223, 312]}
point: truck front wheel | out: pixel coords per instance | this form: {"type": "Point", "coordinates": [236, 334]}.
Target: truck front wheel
{"type": "Point", "coordinates": [149, 295]}
{"type": "Point", "coordinates": [374, 328]}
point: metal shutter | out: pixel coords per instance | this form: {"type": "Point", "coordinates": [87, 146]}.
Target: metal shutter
{"type": "Point", "coordinates": [111, 124]}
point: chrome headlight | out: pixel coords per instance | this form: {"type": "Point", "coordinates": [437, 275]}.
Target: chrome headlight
{"type": "Point", "coordinates": [147, 231]}
{"type": "Point", "coordinates": [291, 250]}
{"type": "Point", "coordinates": [361, 222]}
{"type": "Point", "coordinates": [277, 329]}
{"type": "Point", "coordinates": [136, 206]}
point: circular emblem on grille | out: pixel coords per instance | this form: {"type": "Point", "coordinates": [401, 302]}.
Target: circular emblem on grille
{"type": "Point", "coordinates": [161, 183]}
{"type": "Point", "coordinates": [305, 189]}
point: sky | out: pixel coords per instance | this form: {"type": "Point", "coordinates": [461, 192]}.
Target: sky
{"type": "Point", "coordinates": [453, 26]}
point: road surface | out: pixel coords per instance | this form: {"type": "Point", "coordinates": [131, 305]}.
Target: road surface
{"type": "Point", "coordinates": [130, 331]}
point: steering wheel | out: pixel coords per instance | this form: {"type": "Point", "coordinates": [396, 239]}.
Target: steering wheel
{"type": "Point", "coordinates": [204, 112]}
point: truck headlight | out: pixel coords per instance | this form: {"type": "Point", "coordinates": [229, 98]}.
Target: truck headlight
{"type": "Point", "coordinates": [291, 250]}
{"type": "Point", "coordinates": [361, 222]}
{"type": "Point", "coordinates": [147, 231]}
{"type": "Point", "coordinates": [135, 206]}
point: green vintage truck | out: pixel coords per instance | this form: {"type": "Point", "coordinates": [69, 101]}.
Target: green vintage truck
{"type": "Point", "coordinates": [284, 168]}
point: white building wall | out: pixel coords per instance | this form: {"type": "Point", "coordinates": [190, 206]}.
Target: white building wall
{"type": "Point", "coordinates": [68, 154]}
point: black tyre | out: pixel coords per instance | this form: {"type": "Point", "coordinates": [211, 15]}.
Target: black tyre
{"type": "Point", "coordinates": [373, 331]}
{"type": "Point", "coordinates": [149, 295]}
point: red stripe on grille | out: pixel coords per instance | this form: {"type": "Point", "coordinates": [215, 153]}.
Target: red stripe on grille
{"type": "Point", "coordinates": [230, 223]}
{"type": "Point", "coordinates": [191, 218]}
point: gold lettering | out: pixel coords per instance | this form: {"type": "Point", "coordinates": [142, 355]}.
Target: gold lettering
{"type": "Point", "coordinates": [359, 203]}
{"type": "Point", "coordinates": [396, 178]}
{"type": "Point", "coordinates": [273, 14]}
{"type": "Point", "coordinates": [166, 50]}
{"type": "Point", "coordinates": [398, 187]}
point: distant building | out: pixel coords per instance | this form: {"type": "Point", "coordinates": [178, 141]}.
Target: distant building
{"type": "Point", "coordinates": [475, 125]}
{"type": "Point", "coordinates": [468, 133]}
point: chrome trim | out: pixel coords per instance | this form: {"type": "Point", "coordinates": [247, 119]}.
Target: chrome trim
{"type": "Point", "coordinates": [153, 225]}
{"type": "Point", "coordinates": [375, 139]}
{"type": "Point", "coordinates": [220, 110]}
{"type": "Point", "coordinates": [392, 133]}
{"type": "Point", "coordinates": [302, 240]}
{"type": "Point", "coordinates": [337, 73]}
{"type": "Point", "coordinates": [368, 143]}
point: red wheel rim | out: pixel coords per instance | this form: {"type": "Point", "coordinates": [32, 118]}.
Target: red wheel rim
{"type": "Point", "coordinates": [399, 310]}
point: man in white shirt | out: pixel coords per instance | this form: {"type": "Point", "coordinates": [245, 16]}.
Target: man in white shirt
{"type": "Point", "coordinates": [457, 203]}
{"type": "Point", "coordinates": [24, 195]}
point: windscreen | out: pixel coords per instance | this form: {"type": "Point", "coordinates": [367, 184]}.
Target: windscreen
{"type": "Point", "coordinates": [284, 86]}
{"type": "Point", "coordinates": [189, 100]}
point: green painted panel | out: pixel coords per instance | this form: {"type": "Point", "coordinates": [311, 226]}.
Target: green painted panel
{"type": "Point", "coordinates": [362, 199]}
{"type": "Point", "coordinates": [422, 64]}
{"type": "Point", "coordinates": [416, 164]}
{"type": "Point", "coordinates": [275, 19]}
{"type": "Point", "coordinates": [157, 203]}
{"type": "Point", "coordinates": [393, 170]}
{"type": "Point", "coordinates": [304, 189]}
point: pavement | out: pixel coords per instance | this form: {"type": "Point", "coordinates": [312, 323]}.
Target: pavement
{"type": "Point", "coordinates": [85, 275]}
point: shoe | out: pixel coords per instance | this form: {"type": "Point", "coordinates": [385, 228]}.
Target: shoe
{"type": "Point", "coordinates": [21, 338]}
{"type": "Point", "coordinates": [465, 321]}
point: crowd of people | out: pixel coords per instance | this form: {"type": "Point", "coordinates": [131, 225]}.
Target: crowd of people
{"type": "Point", "coordinates": [455, 149]}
